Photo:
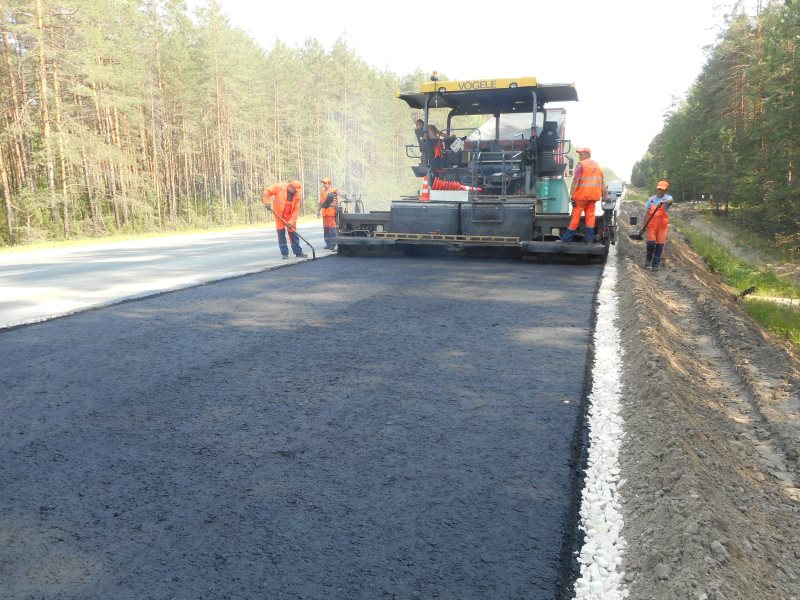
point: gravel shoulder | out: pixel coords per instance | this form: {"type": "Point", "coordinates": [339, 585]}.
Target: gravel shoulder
{"type": "Point", "coordinates": [712, 412]}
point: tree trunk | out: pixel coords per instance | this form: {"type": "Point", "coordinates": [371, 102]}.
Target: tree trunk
{"type": "Point", "coordinates": [17, 137]}
{"type": "Point", "coordinates": [61, 149]}
{"type": "Point", "coordinates": [96, 215]}
{"type": "Point", "coordinates": [7, 197]}
{"type": "Point", "coordinates": [124, 188]}
{"type": "Point", "coordinates": [277, 163]}
{"type": "Point", "coordinates": [347, 174]}
{"type": "Point", "coordinates": [220, 158]}
{"type": "Point", "coordinates": [45, 112]}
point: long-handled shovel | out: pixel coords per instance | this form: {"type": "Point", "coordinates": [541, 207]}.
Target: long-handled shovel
{"type": "Point", "coordinates": [290, 228]}
{"type": "Point", "coordinates": [639, 236]}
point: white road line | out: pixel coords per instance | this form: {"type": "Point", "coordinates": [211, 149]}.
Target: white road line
{"type": "Point", "coordinates": [601, 520]}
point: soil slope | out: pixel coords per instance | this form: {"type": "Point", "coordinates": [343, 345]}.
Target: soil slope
{"type": "Point", "coordinates": [712, 411]}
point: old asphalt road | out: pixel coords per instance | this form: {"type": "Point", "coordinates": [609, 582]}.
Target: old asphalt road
{"type": "Point", "coordinates": [37, 285]}
{"type": "Point", "coordinates": [344, 428]}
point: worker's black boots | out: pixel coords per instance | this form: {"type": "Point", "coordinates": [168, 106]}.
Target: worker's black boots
{"type": "Point", "coordinates": [653, 256]}
{"type": "Point", "coordinates": [648, 259]}
{"type": "Point", "coordinates": [330, 235]}
{"type": "Point", "coordinates": [657, 256]}
{"type": "Point", "coordinates": [568, 235]}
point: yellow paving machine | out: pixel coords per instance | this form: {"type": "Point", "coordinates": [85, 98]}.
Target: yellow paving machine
{"type": "Point", "coordinates": [493, 181]}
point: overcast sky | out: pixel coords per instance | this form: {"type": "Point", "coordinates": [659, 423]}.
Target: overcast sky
{"type": "Point", "coordinates": [628, 60]}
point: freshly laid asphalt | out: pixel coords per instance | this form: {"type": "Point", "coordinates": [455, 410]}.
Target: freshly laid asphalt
{"type": "Point", "coordinates": [342, 428]}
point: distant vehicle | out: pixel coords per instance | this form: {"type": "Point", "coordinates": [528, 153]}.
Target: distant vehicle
{"type": "Point", "coordinates": [616, 187]}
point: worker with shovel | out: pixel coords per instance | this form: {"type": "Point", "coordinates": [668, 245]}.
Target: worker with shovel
{"type": "Point", "coordinates": [328, 203]}
{"type": "Point", "coordinates": [287, 198]}
{"type": "Point", "coordinates": [657, 211]}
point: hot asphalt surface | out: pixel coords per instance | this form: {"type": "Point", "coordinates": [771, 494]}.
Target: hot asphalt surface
{"type": "Point", "coordinates": [343, 428]}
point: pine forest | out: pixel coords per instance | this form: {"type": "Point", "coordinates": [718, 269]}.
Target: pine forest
{"type": "Point", "coordinates": [128, 116]}
{"type": "Point", "coordinates": [132, 116]}
{"type": "Point", "coordinates": [734, 140]}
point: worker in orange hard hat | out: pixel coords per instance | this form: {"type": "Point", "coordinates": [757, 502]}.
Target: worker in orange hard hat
{"type": "Point", "coordinates": [328, 203]}
{"type": "Point", "coordinates": [588, 184]}
{"type": "Point", "coordinates": [657, 210]}
{"type": "Point", "coordinates": [284, 200]}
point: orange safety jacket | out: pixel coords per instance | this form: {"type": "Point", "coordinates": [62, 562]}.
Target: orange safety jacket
{"type": "Point", "coordinates": [657, 224]}
{"type": "Point", "coordinates": [657, 217]}
{"type": "Point", "coordinates": [288, 209]}
{"type": "Point", "coordinates": [590, 185]}
{"type": "Point", "coordinates": [329, 213]}
{"type": "Point", "coordinates": [663, 214]}
{"type": "Point", "coordinates": [657, 220]}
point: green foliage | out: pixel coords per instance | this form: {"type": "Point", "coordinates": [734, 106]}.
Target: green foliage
{"type": "Point", "coordinates": [775, 247]}
{"type": "Point", "coordinates": [782, 319]}
{"type": "Point", "coordinates": [161, 121]}
{"type": "Point", "coordinates": [737, 133]}
{"type": "Point", "coordinates": [739, 273]}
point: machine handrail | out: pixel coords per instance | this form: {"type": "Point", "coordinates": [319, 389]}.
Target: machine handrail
{"type": "Point", "coordinates": [502, 158]}
{"type": "Point", "coordinates": [449, 131]}
{"type": "Point", "coordinates": [411, 149]}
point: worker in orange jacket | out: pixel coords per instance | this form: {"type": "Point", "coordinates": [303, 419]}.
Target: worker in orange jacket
{"type": "Point", "coordinates": [328, 203]}
{"type": "Point", "coordinates": [588, 183]}
{"type": "Point", "coordinates": [657, 209]}
{"type": "Point", "coordinates": [284, 199]}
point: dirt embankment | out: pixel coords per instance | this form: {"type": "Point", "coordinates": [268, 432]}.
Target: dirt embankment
{"type": "Point", "coordinates": [712, 411]}
{"type": "Point", "coordinates": [718, 230]}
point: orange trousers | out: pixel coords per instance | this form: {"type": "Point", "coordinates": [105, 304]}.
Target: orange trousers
{"type": "Point", "coordinates": [586, 207]}
{"type": "Point", "coordinates": [657, 229]}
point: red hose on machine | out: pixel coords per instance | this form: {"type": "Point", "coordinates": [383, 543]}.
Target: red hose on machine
{"type": "Point", "coordinates": [445, 184]}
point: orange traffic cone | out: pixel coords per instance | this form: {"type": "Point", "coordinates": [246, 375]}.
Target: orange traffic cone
{"type": "Point", "coordinates": [444, 184]}
{"type": "Point", "coordinates": [425, 196]}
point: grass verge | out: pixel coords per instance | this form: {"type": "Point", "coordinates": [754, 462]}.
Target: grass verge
{"type": "Point", "coordinates": [778, 318]}
{"type": "Point", "coordinates": [782, 319]}
{"type": "Point", "coordinates": [775, 247]}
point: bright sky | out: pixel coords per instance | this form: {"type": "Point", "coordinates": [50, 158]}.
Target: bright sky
{"type": "Point", "coordinates": [628, 60]}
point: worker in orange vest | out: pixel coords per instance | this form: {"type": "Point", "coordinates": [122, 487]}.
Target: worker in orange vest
{"type": "Point", "coordinates": [434, 138]}
{"type": "Point", "coordinates": [587, 188]}
{"type": "Point", "coordinates": [284, 200]}
{"type": "Point", "coordinates": [657, 210]}
{"type": "Point", "coordinates": [328, 203]}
